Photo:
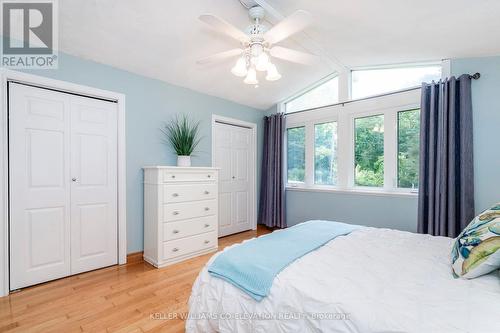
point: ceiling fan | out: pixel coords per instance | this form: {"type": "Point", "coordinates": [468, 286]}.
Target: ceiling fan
{"type": "Point", "coordinates": [258, 44]}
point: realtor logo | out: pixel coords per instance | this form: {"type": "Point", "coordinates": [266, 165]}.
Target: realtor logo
{"type": "Point", "coordinates": [29, 32]}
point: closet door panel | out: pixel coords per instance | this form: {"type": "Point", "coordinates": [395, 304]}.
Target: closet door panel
{"type": "Point", "coordinates": [232, 156]}
{"type": "Point", "coordinates": [39, 185]}
{"type": "Point", "coordinates": [241, 159]}
{"type": "Point", "coordinates": [94, 184]}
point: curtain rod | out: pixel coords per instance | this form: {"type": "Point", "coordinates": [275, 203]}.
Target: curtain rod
{"type": "Point", "coordinates": [474, 76]}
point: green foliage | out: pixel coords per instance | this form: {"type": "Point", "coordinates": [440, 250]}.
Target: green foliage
{"type": "Point", "coordinates": [369, 151]}
{"type": "Point", "coordinates": [325, 153]}
{"type": "Point", "coordinates": [182, 135]}
{"type": "Point", "coordinates": [296, 154]}
{"type": "Point", "coordinates": [408, 148]}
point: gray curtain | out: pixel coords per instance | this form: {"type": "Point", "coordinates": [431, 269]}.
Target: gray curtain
{"type": "Point", "coordinates": [446, 186]}
{"type": "Point", "coordinates": [272, 188]}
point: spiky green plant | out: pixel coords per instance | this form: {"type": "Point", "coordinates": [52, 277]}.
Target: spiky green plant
{"type": "Point", "coordinates": [182, 134]}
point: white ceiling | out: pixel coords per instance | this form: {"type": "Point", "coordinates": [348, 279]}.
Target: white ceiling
{"type": "Point", "coordinates": [163, 39]}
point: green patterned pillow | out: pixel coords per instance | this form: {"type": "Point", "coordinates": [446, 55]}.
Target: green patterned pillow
{"type": "Point", "coordinates": [476, 251]}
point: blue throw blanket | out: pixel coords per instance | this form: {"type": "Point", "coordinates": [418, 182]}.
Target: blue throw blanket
{"type": "Point", "coordinates": [253, 265]}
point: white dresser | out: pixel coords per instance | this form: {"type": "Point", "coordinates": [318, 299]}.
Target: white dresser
{"type": "Point", "coordinates": [180, 213]}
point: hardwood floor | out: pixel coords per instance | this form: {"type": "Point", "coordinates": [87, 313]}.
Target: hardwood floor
{"type": "Point", "coordinates": [115, 299]}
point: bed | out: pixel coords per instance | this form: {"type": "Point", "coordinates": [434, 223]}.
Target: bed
{"type": "Point", "coordinates": [372, 280]}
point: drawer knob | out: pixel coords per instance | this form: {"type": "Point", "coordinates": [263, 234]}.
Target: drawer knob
{"type": "Point", "coordinates": [175, 194]}
{"type": "Point", "coordinates": [207, 241]}
{"type": "Point", "coordinates": [175, 212]}
{"type": "Point", "coordinates": [173, 176]}
{"type": "Point", "coordinates": [209, 176]}
{"type": "Point", "coordinates": [175, 249]}
{"type": "Point", "coordinates": [175, 231]}
{"type": "Point", "coordinates": [206, 192]}
{"type": "Point", "coordinates": [207, 225]}
{"type": "Point", "coordinates": [207, 209]}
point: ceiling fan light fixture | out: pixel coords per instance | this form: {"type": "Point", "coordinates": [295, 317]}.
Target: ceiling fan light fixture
{"type": "Point", "coordinates": [251, 77]}
{"type": "Point", "coordinates": [240, 68]}
{"type": "Point", "coordinates": [272, 73]}
{"type": "Point", "coordinates": [262, 62]}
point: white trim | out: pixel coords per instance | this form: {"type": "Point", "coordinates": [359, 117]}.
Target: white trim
{"type": "Point", "coordinates": [446, 68]}
{"type": "Point", "coordinates": [253, 156]}
{"type": "Point", "coordinates": [9, 75]}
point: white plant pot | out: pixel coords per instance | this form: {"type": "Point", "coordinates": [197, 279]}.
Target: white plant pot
{"type": "Point", "coordinates": [183, 161]}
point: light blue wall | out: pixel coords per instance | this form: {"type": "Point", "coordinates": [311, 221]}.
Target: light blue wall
{"type": "Point", "coordinates": [486, 118]}
{"type": "Point", "coordinates": [149, 103]}
{"type": "Point", "coordinates": [401, 212]}
{"type": "Point", "coordinates": [364, 209]}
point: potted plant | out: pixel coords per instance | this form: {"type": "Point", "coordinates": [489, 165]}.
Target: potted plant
{"type": "Point", "coordinates": [183, 136]}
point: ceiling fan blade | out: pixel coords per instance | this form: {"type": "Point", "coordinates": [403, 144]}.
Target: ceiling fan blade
{"type": "Point", "coordinates": [290, 25]}
{"type": "Point", "coordinates": [224, 27]}
{"type": "Point", "coordinates": [220, 56]}
{"type": "Point", "coordinates": [293, 56]}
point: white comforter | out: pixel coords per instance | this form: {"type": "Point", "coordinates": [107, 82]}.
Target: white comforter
{"type": "Point", "coordinates": [373, 280]}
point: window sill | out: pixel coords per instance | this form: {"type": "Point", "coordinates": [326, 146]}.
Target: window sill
{"type": "Point", "coordinates": [355, 191]}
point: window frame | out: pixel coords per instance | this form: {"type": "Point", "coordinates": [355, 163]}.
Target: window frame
{"type": "Point", "coordinates": [307, 90]}
{"type": "Point", "coordinates": [345, 116]}
{"type": "Point", "coordinates": [444, 73]}
{"type": "Point", "coordinates": [314, 151]}
{"type": "Point", "coordinates": [352, 178]}
{"type": "Point", "coordinates": [412, 190]}
{"type": "Point", "coordinates": [285, 159]}
{"type": "Point", "coordinates": [344, 113]}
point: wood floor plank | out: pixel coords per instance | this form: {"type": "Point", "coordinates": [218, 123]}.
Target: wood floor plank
{"type": "Point", "coordinates": [114, 299]}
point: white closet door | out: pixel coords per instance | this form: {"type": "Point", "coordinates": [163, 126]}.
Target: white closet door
{"type": "Point", "coordinates": [232, 155]}
{"type": "Point", "coordinates": [39, 185]}
{"type": "Point", "coordinates": [94, 184]}
{"type": "Point", "coordinates": [63, 184]}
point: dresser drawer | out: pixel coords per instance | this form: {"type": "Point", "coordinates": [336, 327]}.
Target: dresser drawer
{"type": "Point", "coordinates": [190, 227]}
{"type": "Point", "coordinates": [188, 192]}
{"type": "Point", "coordinates": [188, 210]}
{"type": "Point", "coordinates": [184, 246]}
{"type": "Point", "coordinates": [170, 176]}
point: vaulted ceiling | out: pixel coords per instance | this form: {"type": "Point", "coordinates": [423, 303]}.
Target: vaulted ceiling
{"type": "Point", "coordinates": [163, 39]}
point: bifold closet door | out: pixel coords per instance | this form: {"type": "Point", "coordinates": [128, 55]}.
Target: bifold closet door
{"type": "Point", "coordinates": [233, 146]}
{"type": "Point", "coordinates": [39, 179]}
{"type": "Point", "coordinates": [94, 144]}
{"type": "Point", "coordinates": [62, 182]}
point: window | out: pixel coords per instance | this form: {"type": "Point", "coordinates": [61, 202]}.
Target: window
{"type": "Point", "coordinates": [325, 153]}
{"type": "Point", "coordinates": [370, 146]}
{"type": "Point", "coordinates": [408, 148]}
{"type": "Point", "coordinates": [324, 94]}
{"type": "Point", "coordinates": [378, 81]}
{"type": "Point", "coordinates": [369, 151]}
{"type": "Point", "coordinates": [296, 154]}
